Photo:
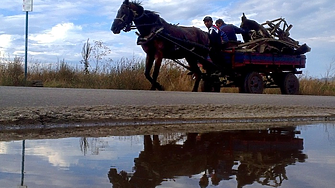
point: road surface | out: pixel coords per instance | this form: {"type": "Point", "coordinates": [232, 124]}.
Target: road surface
{"type": "Point", "coordinates": [43, 97]}
{"type": "Point", "coordinates": [39, 105]}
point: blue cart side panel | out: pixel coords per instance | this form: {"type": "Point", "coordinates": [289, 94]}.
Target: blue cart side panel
{"type": "Point", "coordinates": [239, 59]}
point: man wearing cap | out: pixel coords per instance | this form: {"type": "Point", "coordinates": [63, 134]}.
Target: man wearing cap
{"type": "Point", "coordinates": [230, 29]}
{"type": "Point", "coordinates": [215, 39]}
{"type": "Point", "coordinates": [216, 36]}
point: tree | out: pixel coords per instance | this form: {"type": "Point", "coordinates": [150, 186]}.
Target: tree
{"type": "Point", "coordinates": [99, 52]}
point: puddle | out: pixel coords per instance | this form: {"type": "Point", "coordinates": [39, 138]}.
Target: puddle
{"type": "Point", "coordinates": [300, 156]}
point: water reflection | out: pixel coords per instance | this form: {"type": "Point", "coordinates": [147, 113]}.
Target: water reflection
{"type": "Point", "coordinates": [248, 156]}
{"type": "Point", "coordinates": [275, 157]}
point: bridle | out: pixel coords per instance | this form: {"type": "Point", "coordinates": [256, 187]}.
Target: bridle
{"type": "Point", "coordinates": [122, 20]}
{"type": "Point", "coordinates": [131, 17]}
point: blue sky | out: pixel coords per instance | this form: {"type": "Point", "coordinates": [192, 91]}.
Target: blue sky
{"type": "Point", "coordinates": [59, 28]}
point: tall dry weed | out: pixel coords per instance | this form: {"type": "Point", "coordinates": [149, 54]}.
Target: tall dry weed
{"type": "Point", "coordinates": [12, 72]}
{"type": "Point", "coordinates": [312, 86]}
{"type": "Point", "coordinates": [127, 74]}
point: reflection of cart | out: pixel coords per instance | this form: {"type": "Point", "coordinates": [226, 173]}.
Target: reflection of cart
{"type": "Point", "coordinates": [264, 61]}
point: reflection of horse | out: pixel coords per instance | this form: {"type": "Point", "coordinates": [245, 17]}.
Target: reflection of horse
{"type": "Point", "coordinates": [262, 157]}
{"type": "Point", "coordinates": [154, 32]}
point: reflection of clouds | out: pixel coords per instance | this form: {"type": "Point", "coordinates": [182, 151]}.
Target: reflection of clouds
{"type": "Point", "coordinates": [310, 175]}
{"type": "Point", "coordinates": [60, 162]}
{"type": "Point", "coordinates": [53, 155]}
{"type": "Point", "coordinates": [324, 157]}
{"type": "Point", "coordinates": [3, 148]}
{"type": "Point", "coordinates": [66, 152]}
{"type": "Point", "coordinates": [11, 147]}
{"type": "Point", "coordinates": [10, 157]}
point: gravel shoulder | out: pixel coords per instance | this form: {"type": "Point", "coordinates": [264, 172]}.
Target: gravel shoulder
{"type": "Point", "coordinates": [81, 114]}
{"type": "Point", "coordinates": [132, 120]}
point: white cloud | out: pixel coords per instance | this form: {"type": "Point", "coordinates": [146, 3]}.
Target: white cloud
{"type": "Point", "coordinates": [58, 33]}
{"type": "Point", "coordinates": [5, 41]}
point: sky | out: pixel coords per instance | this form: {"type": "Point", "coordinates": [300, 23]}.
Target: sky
{"type": "Point", "coordinates": [58, 29]}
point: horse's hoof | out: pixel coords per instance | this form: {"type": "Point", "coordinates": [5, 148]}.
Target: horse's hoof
{"type": "Point", "coordinates": [160, 88]}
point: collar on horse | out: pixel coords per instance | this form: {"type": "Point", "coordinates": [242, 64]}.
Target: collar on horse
{"type": "Point", "coordinates": [145, 39]}
{"type": "Point", "coordinates": [154, 31]}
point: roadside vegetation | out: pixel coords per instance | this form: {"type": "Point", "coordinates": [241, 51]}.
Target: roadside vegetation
{"type": "Point", "coordinates": [96, 71]}
{"type": "Point", "coordinates": [126, 74]}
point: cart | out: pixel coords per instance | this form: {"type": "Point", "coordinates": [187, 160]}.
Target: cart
{"type": "Point", "coordinates": [266, 61]}
{"type": "Point", "coordinates": [252, 72]}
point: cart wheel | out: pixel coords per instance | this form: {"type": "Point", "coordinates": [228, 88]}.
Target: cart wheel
{"type": "Point", "coordinates": [253, 83]}
{"type": "Point", "coordinates": [289, 84]}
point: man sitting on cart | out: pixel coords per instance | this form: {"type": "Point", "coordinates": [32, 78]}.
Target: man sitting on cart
{"type": "Point", "coordinates": [216, 38]}
{"type": "Point", "coordinates": [230, 29]}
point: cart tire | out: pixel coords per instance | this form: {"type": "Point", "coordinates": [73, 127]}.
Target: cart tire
{"type": "Point", "coordinates": [290, 84]}
{"type": "Point", "coordinates": [253, 83]}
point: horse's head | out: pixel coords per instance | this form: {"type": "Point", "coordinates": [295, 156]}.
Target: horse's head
{"type": "Point", "coordinates": [124, 18]}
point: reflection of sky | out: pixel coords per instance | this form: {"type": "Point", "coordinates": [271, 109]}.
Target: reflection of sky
{"type": "Point", "coordinates": [319, 168]}
{"type": "Point", "coordinates": [61, 163]}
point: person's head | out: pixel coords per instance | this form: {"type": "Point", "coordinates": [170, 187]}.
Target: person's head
{"type": "Point", "coordinates": [208, 21]}
{"type": "Point", "coordinates": [219, 22]}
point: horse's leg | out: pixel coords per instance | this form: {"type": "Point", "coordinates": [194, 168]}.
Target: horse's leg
{"type": "Point", "coordinates": [197, 76]}
{"type": "Point", "coordinates": [196, 73]}
{"type": "Point", "coordinates": [158, 63]}
{"type": "Point", "coordinates": [148, 65]}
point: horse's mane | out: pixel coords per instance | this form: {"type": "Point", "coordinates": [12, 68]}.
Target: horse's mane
{"type": "Point", "coordinates": [154, 13]}
{"type": "Point", "coordinates": [137, 3]}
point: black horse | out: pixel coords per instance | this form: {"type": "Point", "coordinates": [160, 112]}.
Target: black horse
{"type": "Point", "coordinates": [248, 25]}
{"type": "Point", "coordinates": [156, 36]}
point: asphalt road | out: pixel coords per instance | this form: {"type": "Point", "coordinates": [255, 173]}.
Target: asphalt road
{"type": "Point", "coordinates": [48, 97]}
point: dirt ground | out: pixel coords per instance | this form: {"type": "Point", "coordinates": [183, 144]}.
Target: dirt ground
{"type": "Point", "coordinates": [48, 122]}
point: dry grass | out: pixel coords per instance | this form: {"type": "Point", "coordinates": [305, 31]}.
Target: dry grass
{"type": "Point", "coordinates": [311, 86]}
{"type": "Point", "coordinates": [125, 74]}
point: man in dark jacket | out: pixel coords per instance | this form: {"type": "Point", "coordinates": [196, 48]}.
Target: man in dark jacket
{"type": "Point", "coordinates": [229, 29]}
{"type": "Point", "coordinates": [216, 38]}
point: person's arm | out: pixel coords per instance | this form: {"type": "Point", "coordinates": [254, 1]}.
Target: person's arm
{"type": "Point", "coordinates": [224, 36]}
{"type": "Point", "coordinates": [239, 30]}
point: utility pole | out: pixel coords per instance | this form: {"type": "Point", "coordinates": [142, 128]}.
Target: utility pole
{"type": "Point", "coordinates": [27, 7]}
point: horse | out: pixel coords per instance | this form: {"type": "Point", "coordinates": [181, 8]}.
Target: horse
{"type": "Point", "coordinates": [155, 36]}
{"type": "Point", "coordinates": [248, 25]}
